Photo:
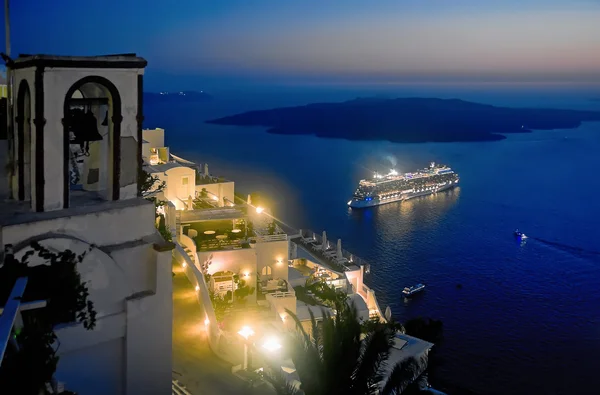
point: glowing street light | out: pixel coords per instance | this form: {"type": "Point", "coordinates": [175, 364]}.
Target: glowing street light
{"type": "Point", "coordinates": [272, 345]}
{"type": "Point", "coordinates": [259, 210]}
{"type": "Point", "coordinates": [246, 332]}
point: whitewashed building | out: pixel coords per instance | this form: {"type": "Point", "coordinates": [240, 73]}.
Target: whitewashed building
{"type": "Point", "coordinates": [183, 179]}
{"type": "Point", "coordinates": [73, 184]}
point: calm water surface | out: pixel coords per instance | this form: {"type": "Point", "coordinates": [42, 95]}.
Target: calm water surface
{"type": "Point", "coordinates": [527, 317]}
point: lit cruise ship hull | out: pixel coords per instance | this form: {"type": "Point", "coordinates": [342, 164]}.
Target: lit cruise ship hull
{"type": "Point", "coordinates": [397, 188]}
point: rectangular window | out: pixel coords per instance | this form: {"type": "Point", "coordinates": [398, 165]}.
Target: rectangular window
{"type": "Point", "coordinates": [184, 180]}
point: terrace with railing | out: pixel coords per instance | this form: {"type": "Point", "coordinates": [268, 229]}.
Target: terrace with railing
{"type": "Point", "coordinates": [347, 261]}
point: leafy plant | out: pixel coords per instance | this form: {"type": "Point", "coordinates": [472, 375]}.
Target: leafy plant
{"type": "Point", "coordinates": [147, 184]}
{"type": "Point", "coordinates": [337, 349]}
{"type": "Point", "coordinates": [220, 305]}
{"type": "Point", "coordinates": [329, 295]}
{"type": "Point", "coordinates": [58, 282]}
{"type": "Point", "coordinates": [242, 289]}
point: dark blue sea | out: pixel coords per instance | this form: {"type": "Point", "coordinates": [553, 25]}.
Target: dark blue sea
{"type": "Point", "coordinates": [527, 317]}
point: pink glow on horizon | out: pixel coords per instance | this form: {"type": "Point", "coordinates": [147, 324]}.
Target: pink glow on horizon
{"type": "Point", "coordinates": [549, 46]}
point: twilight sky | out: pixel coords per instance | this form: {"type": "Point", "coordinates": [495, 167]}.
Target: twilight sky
{"type": "Point", "coordinates": [365, 41]}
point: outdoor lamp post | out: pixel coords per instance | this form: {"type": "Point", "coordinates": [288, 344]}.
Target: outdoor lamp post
{"type": "Point", "coordinates": [246, 332]}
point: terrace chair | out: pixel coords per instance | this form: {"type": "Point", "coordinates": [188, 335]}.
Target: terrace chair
{"type": "Point", "coordinates": [307, 240]}
{"type": "Point", "coordinates": [341, 260]}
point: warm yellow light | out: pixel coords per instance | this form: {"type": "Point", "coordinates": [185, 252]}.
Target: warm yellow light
{"type": "Point", "coordinates": [215, 198]}
{"type": "Point", "coordinates": [259, 210]}
{"type": "Point", "coordinates": [246, 332]}
{"type": "Point", "coordinates": [283, 316]}
{"type": "Point", "coordinates": [206, 322]}
{"type": "Point", "coordinates": [246, 274]}
{"type": "Point", "coordinates": [197, 288]}
{"type": "Point", "coordinates": [272, 344]}
{"type": "Point", "coordinates": [183, 265]}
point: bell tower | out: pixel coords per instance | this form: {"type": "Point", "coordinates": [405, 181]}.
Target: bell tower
{"type": "Point", "coordinates": [78, 126]}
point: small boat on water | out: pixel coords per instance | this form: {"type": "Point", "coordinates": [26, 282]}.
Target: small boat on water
{"type": "Point", "coordinates": [409, 291]}
{"type": "Point", "coordinates": [519, 234]}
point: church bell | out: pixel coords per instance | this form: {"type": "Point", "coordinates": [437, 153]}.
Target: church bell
{"type": "Point", "coordinates": [83, 127]}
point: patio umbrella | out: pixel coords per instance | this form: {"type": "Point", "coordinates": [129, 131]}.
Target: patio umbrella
{"type": "Point", "coordinates": [388, 313]}
{"type": "Point", "coordinates": [324, 240]}
{"type": "Point", "coordinates": [190, 203]}
{"type": "Point", "coordinates": [294, 251]}
{"type": "Point", "coordinates": [300, 231]}
{"type": "Point", "coordinates": [339, 249]}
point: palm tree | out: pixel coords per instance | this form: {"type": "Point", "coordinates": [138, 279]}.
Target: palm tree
{"type": "Point", "coordinates": [337, 359]}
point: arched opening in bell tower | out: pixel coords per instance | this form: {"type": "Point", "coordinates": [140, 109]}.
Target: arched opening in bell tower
{"type": "Point", "coordinates": [24, 146]}
{"type": "Point", "coordinates": [92, 136]}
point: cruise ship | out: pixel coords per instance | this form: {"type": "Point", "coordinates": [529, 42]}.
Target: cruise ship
{"type": "Point", "coordinates": [394, 187]}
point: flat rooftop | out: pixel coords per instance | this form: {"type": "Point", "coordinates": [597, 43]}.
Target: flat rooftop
{"type": "Point", "coordinates": [14, 212]}
{"type": "Point", "coordinates": [161, 168]}
{"type": "Point", "coordinates": [208, 214]}
{"type": "Point", "coordinates": [303, 311]}
{"type": "Point", "coordinates": [117, 61]}
{"type": "Point", "coordinates": [406, 346]}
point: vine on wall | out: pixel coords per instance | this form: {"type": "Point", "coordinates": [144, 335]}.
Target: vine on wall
{"type": "Point", "coordinates": [31, 358]}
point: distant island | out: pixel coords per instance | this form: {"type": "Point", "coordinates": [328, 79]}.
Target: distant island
{"type": "Point", "coordinates": [176, 97]}
{"type": "Point", "coordinates": [408, 120]}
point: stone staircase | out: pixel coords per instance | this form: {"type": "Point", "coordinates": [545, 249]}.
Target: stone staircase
{"type": "Point", "coordinates": [189, 253]}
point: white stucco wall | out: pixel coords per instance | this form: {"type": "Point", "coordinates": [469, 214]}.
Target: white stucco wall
{"type": "Point", "coordinates": [155, 137]}
{"type": "Point", "coordinates": [104, 373]}
{"type": "Point", "coordinates": [355, 277]}
{"type": "Point", "coordinates": [223, 190]}
{"type": "Point", "coordinates": [130, 284]}
{"type": "Point", "coordinates": [281, 301]}
{"type": "Point", "coordinates": [275, 255]}
{"type": "Point", "coordinates": [29, 76]}
{"type": "Point", "coordinates": [134, 222]}
{"type": "Point", "coordinates": [242, 262]}
{"type": "Point", "coordinates": [175, 189]}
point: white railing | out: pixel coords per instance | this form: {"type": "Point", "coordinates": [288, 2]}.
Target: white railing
{"type": "Point", "coordinates": [196, 278]}
{"type": "Point", "coordinates": [281, 295]}
{"type": "Point", "coordinates": [179, 389]}
{"type": "Point", "coordinates": [268, 238]}
{"type": "Point", "coordinates": [9, 313]}
{"type": "Point", "coordinates": [187, 242]}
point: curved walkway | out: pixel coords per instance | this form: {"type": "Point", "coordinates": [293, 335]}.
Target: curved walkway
{"type": "Point", "coordinates": [194, 364]}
